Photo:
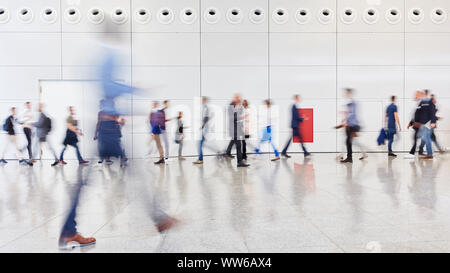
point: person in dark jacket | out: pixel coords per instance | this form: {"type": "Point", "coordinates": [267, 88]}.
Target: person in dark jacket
{"type": "Point", "coordinates": [425, 118]}
{"type": "Point", "coordinates": [43, 127]}
{"type": "Point", "coordinates": [418, 95]}
{"type": "Point", "coordinates": [433, 135]}
{"type": "Point", "coordinates": [108, 133]}
{"type": "Point", "coordinates": [393, 123]}
{"type": "Point", "coordinates": [9, 128]}
{"type": "Point", "coordinates": [295, 124]}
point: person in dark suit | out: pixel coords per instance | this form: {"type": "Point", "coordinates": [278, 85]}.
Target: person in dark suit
{"type": "Point", "coordinates": [295, 124]}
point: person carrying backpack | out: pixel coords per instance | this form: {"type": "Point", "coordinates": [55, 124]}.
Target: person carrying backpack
{"type": "Point", "coordinates": [8, 126]}
{"type": "Point", "coordinates": [43, 128]}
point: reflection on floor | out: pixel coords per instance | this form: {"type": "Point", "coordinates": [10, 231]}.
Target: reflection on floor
{"type": "Point", "coordinates": [294, 205]}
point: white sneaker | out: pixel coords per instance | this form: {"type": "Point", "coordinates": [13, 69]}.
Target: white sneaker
{"type": "Point", "coordinates": [409, 156]}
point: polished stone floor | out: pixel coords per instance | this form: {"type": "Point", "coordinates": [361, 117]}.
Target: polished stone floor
{"type": "Point", "coordinates": [295, 205]}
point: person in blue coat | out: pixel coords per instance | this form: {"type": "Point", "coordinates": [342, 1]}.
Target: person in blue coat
{"type": "Point", "coordinates": [295, 124]}
{"type": "Point", "coordinates": [392, 120]}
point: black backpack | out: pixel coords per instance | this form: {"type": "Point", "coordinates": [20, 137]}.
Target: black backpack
{"type": "Point", "coordinates": [48, 124]}
{"type": "Point", "coordinates": [5, 125]}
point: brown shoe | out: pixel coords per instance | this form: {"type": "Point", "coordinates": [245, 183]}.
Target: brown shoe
{"type": "Point", "coordinates": [427, 157]}
{"type": "Point", "coordinates": [166, 224]}
{"type": "Point", "coordinates": [76, 240]}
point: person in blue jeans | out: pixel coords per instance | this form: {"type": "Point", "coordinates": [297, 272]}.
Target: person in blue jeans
{"type": "Point", "coordinates": [69, 237]}
{"type": "Point", "coordinates": [392, 121]}
{"type": "Point", "coordinates": [206, 120]}
{"type": "Point", "coordinates": [71, 138]}
{"type": "Point", "coordinates": [425, 118]}
{"type": "Point", "coordinates": [267, 133]}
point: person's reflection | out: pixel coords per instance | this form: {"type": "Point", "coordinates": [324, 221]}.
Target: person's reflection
{"type": "Point", "coordinates": [153, 197]}
{"type": "Point", "coordinates": [182, 182]}
{"type": "Point", "coordinates": [70, 238]}
{"type": "Point", "coordinates": [205, 187]}
{"type": "Point", "coordinates": [391, 183]}
{"type": "Point", "coordinates": [423, 186]}
{"type": "Point", "coordinates": [303, 180]}
{"type": "Point", "coordinates": [354, 191]}
{"type": "Point", "coordinates": [239, 202]}
{"type": "Point", "coordinates": [269, 185]}
{"type": "Point", "coordinates": [114, 185]}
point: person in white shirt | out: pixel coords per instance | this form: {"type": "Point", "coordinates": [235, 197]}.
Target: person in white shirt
{"type": "Point", "coordinates": [267, 133]}
{"type": "Point", "coordinates": [206, 120]}
{"type": "Point", "coordinates": [9, 128]}
{"type": "Point", "coordinates": [27, 121]}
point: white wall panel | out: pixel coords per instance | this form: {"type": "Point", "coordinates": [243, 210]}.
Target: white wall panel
{"type": "Point", "coordinates": [234, 49]}
{"type": "Point", "coordinates": [37, 22]}
{"type": "Point", "coordinates": [370, 49]}
{"type": "Point", "coordinates": [222, 82]}
{"type": "Point", "coordinates": [88, 49]}
{"type": "Point", "coordinates": [372, 81]}
{"type": "Point", "coordinates": [428, 9]}
{"type": "Point", "coordinates": [313, 9]}
{"type": "Point", "coordinates": [18, 83]}
{"type": "Point", "coordinates": [21, 49]}
{"type": "Point", "coordinates": [312, 82]}
{"type": "Point", "coordinates": [84, 7]}
{"type": "Point", "coordinates": [123, 74]}
{"type": "Point", "coordinates": [303, 49]}
{"type": "Point", "coordinates": [165, 49]}
{"type": "Point", "coordinates": [434, 78]}
{"type": "Point", "coordinates": [243, 23]}
{"type": "Point", "coordinates": [376, 22]}
{"type": "Point", "coordinates": [168, 82]}
{"type": "Point", "coordinates": [173, 21]}
{"type": "Point", "coordinates": [427, 49]}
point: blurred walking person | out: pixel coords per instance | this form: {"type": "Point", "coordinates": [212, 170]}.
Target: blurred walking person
{"type": "Point", "coordinates": [156, 123]}
{"type": "Point", "coordinates": [108, 132]}
{"type": "Point", "coordinates": [8, 126]}
{"type": "Point", "coordinates": [43, 128]}
{"type": "Point", "coordinates": [179, 135]}
{"type": "Point", "coordinates": [71, 137]}
{"type": "Point", "coordinates": [267, 132]}
{"type": "Point", "coordinates": [425, 119]}
{"type": "Point", "coordinates": [246, 129]}
{"type": "Point", "coordinates": [418, 96]}
{"type": "Point", "coordinates": [206, 117]}
{"type": "Point", "coordinates": [236, 127]}
{"type": "Point", "coordinates": [296, 119]}
{"type": "Point", "coordinates": [151, 138]}
{"type": "Point", "coordinates": [393, 122]}
{"type": "Point", "coordinates": [352, 127]}
{"type": "Point", "coordinates": [433, 135]}
{"type": "Point", "coordinates": [165, 137]}
{"type": "Point", "coordinates": [69, 237]}
{"type": "Point", "coordinates": [26, 119]}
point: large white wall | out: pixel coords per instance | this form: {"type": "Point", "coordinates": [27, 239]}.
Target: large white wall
{"type": "Point", "coordinates": [275, 55]}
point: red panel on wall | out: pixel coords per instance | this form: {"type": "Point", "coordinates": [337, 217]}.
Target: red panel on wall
{"type": "Point", "coordinates": [307, 126]}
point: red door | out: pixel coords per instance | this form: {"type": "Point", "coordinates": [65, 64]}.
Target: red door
{"type": "Point", "coordinates": [307, 126]}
